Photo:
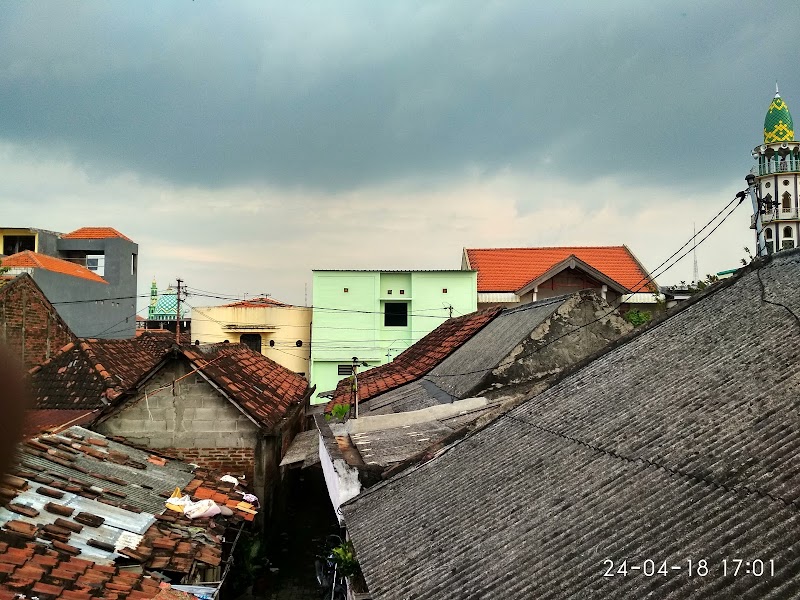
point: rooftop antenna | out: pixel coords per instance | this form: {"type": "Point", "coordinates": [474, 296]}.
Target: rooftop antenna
{"type": "Point", "coordinates": [777, 93]}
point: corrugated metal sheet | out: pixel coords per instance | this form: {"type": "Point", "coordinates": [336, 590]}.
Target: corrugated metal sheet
{"type": "Point", "coordinates": [497, 297]}
{"type": "Point", "coordinates": [641, 298]}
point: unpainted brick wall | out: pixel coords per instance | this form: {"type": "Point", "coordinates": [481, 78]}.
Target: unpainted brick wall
{"type": "Point", "coordinates": [236, 461]}
{"type": "Point", "coordinates": [29, 327]}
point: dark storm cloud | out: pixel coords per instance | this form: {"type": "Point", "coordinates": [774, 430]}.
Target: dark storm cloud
{"type": "Point", "coordinates": [337, 95]}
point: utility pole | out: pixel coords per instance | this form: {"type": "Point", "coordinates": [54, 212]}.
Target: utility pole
{"type": "Point", "coordinates": [450, 308]}
{"type": "Point", "coordinates": [355, 384]}
{"type": "Point", "coordinates": [178, 314]}
{"type": "Point", "coordinates": [695, 272]}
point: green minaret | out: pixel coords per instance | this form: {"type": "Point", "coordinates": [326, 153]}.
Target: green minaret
{"type": "Point", "coordinates": [778, 124]}
{"type": "Point", "coordinates": [153, 300]}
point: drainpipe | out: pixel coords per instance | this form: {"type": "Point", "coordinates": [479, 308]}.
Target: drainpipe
{"type": "Point", "coordinates": [603, 291]}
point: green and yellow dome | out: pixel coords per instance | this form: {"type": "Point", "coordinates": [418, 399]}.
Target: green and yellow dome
{"type": "Point", "coordinates": [778, 124]}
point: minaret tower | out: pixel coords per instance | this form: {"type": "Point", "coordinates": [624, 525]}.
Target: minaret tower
{"type": "Point", "coordinates": [153, 300]}
{"type": "Point", "coordinates": [777, 177]}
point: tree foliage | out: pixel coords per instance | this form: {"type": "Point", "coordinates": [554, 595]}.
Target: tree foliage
{"type": "Point", "coordinates": [637, 317]}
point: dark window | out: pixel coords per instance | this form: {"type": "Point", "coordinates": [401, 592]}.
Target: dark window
{"type": "Point", "coordinates": [787, 244]}
{"type": "Point", "coordinates": [344, 370]}
{"type": "Point", "coordinates": [388, 292]}
{"type": "Point", "coordinates": [299, 343]}
{"type": "Point", "coordinates": [402, 292]}
{"type": "Point", "coordinates": [346, 290]}
{"type": "Point", "coordinates": [768, 233]}
{"type": "Point", "coordinates": [444, 290]}
{"type": "Point", "coordinates": [787, 202]}
{"type": "Point", "coordinates": [134, 260]}
{"type": "Point", "coordinates": [252, 341]}
{"type": "Point", "coordinates": [787, 232]}
{"type": "Point", "coordinates": [18, 243]}
{"type": "Point", "coordinates": [770, 247]}
{"type": "Point", "coordinates": [396, 314]}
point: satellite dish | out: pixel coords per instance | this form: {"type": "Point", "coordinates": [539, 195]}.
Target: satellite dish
{"type": "Point", "coordinates": [764, 148]}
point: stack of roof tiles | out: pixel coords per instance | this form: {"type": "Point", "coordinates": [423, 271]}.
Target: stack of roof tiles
{"type": "Point", "coordinates": [33, 570]}
{"type": "Point", "coordinates": [83, 495]}
{"type": "Point", "coordinates": [510, 269]}
{"type": "Point", "coordinates": [417, 360]}
{"type": "Point", "coordinates": [677, 445]}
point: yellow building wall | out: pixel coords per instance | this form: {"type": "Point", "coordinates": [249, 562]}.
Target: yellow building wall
{"type": "Point", "coordinates": [4, 231]}
{"type": "Point", "coordinates": [284, 326]}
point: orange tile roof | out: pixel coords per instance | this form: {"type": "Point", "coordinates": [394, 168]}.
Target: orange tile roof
{"type": "Point", "coordinates": [416, 360]}
{"type": "Point", "coordinates": [28, 259]}
{"type": "Point", "coordinates": [509, 269]}
{"type": "Point", "coordinates": [255, 303]}
{"type": "Point", "coordinates": [95, 233]}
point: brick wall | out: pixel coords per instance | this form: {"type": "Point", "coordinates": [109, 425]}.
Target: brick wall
{"type": "Point", "coordinates": [236, 461]}
{"type": "Point", "coordinates": [29, 325]}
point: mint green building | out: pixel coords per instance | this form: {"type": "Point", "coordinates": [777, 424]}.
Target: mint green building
{"type": "Point", "coordinates": [375, 315]}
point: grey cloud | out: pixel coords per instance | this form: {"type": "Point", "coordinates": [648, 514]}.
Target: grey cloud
{"type": "Point", "coordinates": [339, 95]}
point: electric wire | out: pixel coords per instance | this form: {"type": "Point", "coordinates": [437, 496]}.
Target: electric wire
{"type": "Point", "coordinates": [739, 197]}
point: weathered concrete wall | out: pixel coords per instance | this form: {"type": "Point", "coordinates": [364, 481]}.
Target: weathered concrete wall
{"type": "Point", "coordinates": [192, 419]}
{"type": "Point", "coordinates": [30, 327]}
{"type": "Point", "coordinates": [580, 327]}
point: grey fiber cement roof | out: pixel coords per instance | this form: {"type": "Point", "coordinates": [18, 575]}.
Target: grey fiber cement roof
{"type": "Point", "coordinates": [475, 359]}
{"type": "Point", "coordinates": [682, 443]}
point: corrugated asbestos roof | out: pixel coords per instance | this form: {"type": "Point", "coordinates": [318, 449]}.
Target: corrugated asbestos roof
{"type": "Point", "coordinates": [683, 443]}
{"type": "Point", "coordinates": [472, 362]}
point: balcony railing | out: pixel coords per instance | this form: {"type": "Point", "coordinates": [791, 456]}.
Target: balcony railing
{"type": "Point", "coordinates": [779, 214]}
{"type": "Point", "coordinates": [783, 166]}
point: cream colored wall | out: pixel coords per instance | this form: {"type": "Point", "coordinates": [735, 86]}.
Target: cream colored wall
{"type": "Point", "coordinates": [287, 325]}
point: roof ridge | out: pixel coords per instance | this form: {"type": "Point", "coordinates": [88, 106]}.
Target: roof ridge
{"type": "Point", "coordinates": [545, 247]}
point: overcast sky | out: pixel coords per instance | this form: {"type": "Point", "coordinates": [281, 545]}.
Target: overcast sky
{"type": "Point", "coordinates": [243, 144]}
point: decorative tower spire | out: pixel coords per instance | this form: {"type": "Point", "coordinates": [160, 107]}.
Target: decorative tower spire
{"type": "Point", "coordinates": [153, 300]}
{"type": "Point", "coordinates": [778, 124]}
{"type": "Point", "coordinates": [775, 181]}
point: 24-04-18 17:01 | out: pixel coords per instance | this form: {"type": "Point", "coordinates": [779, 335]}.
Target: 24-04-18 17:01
{"type": "Point", "coordinates": [729, 567]}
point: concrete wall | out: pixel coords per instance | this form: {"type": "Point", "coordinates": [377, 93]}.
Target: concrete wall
{"type": "Point", "coordinates": [581, 326]}
{"type": "Point", "coordinates": [194, 415]}
{"type": "Point", "coordinates": [284, 326]}
{"type": "Point", "coordinates": [200, 425]}
{"type": "Point", "coordinates": [120, 291]}
{"type": "Point", "coordinates": [90, 308]}
{"type": "Point", "coordinates": [30, 328]}
{"type": "Point", "coordinates": [351, 323]}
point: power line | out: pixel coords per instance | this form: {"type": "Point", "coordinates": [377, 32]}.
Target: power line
{"type": "Point", "coordinates": [740, 197]}
{"type": "Point", "coordinates": [110, 329]}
